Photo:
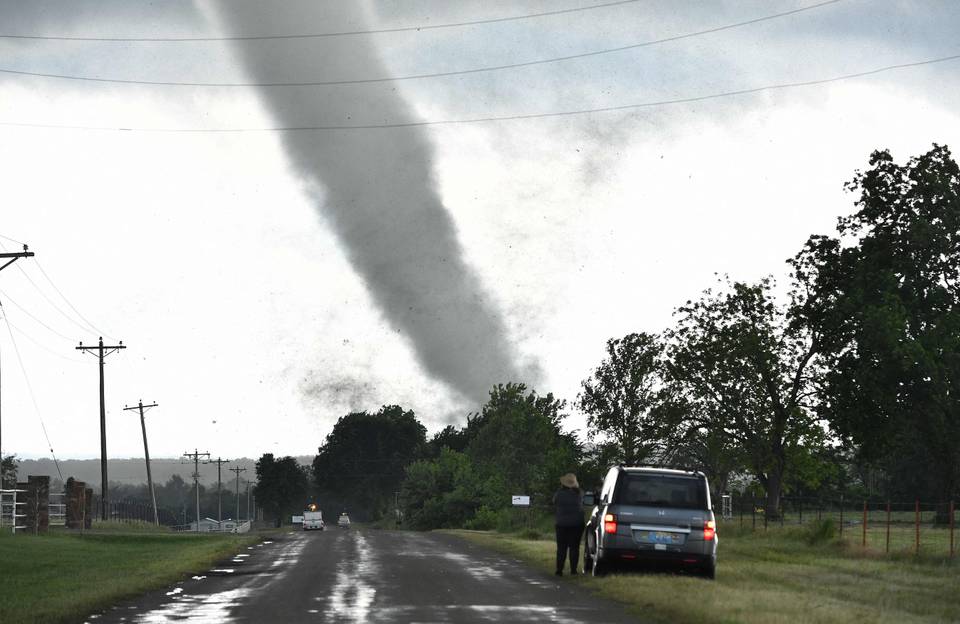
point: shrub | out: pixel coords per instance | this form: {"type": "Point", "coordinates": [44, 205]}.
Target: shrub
{"type": "Point", "coordinates": [820, 532]}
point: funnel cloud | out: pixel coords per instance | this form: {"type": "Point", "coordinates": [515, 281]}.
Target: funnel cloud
{"type": "Point", "coordinates": [375, 187]}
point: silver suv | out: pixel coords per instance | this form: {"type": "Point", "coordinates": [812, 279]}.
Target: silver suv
{"type": "Point", "coordinates": [651, 515]}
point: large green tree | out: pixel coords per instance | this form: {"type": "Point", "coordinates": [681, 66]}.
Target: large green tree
{"type": "Point", "coordinates": [8, 471]}
{"type": "Point", "coordinates": [361, 464]}
{"type": "Point", "coordinates": [620, 396]}
{"type": "Point", "coordinates": [739, 367]}
{"type": "Point", "coordinates": [519, 444]}
{"type": "Point", "coordinates": [886, 299]}
{"type": "Point", "coordinates": [282, 486]}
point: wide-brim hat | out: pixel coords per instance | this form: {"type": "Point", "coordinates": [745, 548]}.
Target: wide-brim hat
{"type": "Point", "coordinates": [569, 480]}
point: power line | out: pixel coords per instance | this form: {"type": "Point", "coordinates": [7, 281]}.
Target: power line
{"type": "Point", "coordinates": [72, 307]}
{"type": "Point", "coordinates": [27, 312]}
{"type": "Point", "coordinates": [471, 120]}
{"type": "Point", "coordinates": [48, 300]}
{"type": "Point", "coordinates": [476, 70]}
{"type": "Point", "coordinates": [12, 240]}
{"type": "Point", "coordinates": [342, 33]}
{"type": "Point", "coordinates": [41, 345]}
{"type": "Point", "coordinates": [33, 397]}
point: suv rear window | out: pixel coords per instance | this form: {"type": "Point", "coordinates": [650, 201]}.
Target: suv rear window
{"type": "Point", "coordinates": [661, 491]}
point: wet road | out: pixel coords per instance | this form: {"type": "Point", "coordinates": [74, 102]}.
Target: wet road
{"type": "Point", "coordinates": [367, 576]}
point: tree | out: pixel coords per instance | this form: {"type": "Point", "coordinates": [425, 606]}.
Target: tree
{"type": "Point", "coordinates": [740, 374]}
{"type": "Point", "coordinates": [886, 299]}
{"type": "Point", "coordinates": [362, 462]}
{"type": "Point", "coordinates": [8, 471]}
{"type": "Point", "coordinates": [281, 487]}
{"type": "Point", "coordinates": [620, 395]}
{"type": "Point", "coordinates": [518, 445]}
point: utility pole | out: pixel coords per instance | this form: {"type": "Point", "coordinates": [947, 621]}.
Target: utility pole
{"type": "Point", "coordinates": [195, 455]}
{"type": "Point", "coordinates": [10, 258]}
{"type": "Point", "coordinates": [219, 462]}
{"type": "Point", "coordinates": [102, 352]}
{"type": "Point", "coordinates": [237, 470]}
{"type": "Point", "coordinates": [248, 500]}
{"type": "Point", "coordinates": [146, 453]}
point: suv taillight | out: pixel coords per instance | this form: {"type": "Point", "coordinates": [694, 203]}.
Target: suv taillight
{"type": "Point", "coordinates": [609, 523]}
{"type": "Point", "coordinates": [709, 530]}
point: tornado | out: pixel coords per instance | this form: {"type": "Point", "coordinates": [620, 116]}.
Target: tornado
{"type": "Point", "coordinates": [374, 187]}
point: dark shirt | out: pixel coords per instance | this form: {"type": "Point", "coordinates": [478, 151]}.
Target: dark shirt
{"type": "Point", "coordinates": [568, 503]}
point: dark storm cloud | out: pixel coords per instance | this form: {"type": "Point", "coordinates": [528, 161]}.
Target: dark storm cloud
{"type": "Point", "coordinates": [377, 190]}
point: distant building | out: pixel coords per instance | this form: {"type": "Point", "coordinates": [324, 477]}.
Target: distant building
{"type": "Point", "coordinates": [208, 525]}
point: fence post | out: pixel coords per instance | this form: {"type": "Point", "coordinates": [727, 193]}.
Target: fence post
{"type": "Point", "coordinates": [888, 526]}
{"type": "Point", "coordinates": [864, 544]}
{"type": "Point", "coordinates": [841, 515]}
{"type": "Point", "coordinates": [741, 513]}
{"type": "Point", "coordinates": [800, 503]}
{"type": "Point", "coordinates": [917, 526]}
{"type": "Point", "coordinates": [951, 528]}
{"type": "Point", "coordinates": [753, 512]}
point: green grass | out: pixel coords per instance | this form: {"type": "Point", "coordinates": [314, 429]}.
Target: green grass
{"type": "Point", "coordinates": [61, 577]}
{"type": "Point", "coordinates": [774, 577]}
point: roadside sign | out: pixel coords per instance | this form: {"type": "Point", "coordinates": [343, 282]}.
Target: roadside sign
{"type": "Point", "coordinates": [521, 501]}
{"type": "Point", "coordinates": [297, 520]}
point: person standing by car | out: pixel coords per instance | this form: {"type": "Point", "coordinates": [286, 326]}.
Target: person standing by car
{"type": "Point", "coordinates": [568, 515]}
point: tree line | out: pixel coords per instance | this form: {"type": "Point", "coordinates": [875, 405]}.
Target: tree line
{"type": "Point", "coordinates": [841, 377]}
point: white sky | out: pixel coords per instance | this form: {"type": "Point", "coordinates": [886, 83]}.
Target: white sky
{"type": "Point", "coordinates": [244, 318]}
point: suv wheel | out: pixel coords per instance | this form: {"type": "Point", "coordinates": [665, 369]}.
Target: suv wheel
{"type": "Point", "coordinates": [587, 559]}
{"type": "Point", "coordinates": [709, 570]}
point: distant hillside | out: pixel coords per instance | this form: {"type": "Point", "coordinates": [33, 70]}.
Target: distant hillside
{"type": "Point", "coordinates": [134, 471]}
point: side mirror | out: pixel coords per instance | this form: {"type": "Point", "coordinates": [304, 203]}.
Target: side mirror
{"type": "Point", "coordinates": [589, 499]}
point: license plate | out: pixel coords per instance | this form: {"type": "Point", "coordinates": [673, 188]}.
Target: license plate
{"type": "Point", "coordinates": [668, 538]}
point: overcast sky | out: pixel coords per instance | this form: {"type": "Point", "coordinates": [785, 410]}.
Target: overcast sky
{"type": "Point", "coordinates": [267, 283]}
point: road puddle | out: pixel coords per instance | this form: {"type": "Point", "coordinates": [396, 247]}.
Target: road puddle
{"type": "Point", "coordinates": [201, 609]}
{"type": "Point", "coordinates": [353, 593]}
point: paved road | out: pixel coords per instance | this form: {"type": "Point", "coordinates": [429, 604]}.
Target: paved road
{"type": "Point", "coordinates": [368, 577]}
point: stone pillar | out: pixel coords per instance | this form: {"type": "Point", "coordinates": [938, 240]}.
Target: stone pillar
{"type": "Point", "coordinates": [37, 508]}
{"type": "Point", "coordinates": [89, 511]}
{"type": "Point", "coordinates": [74, 492]}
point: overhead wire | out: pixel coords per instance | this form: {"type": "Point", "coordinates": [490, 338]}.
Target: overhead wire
{"type": "Point", "coordinates": [64, 297]}
{"type": "Point", "coordinates": [342, 33]}
{"type": "Point", "coordinates": [47, 298]}
{"type": "Point", "coordinates": [488, 119]}
{"type": "Point", "coordinates": [12, 240]}
{"type": "Point", "coordinates": [43, 346]}
{"type": "Point", "coordinates": [33, 397]}
{"type": "Point", "coordinates": [27, 312]}
{"type": "Point", "coordinates": [461, 72]}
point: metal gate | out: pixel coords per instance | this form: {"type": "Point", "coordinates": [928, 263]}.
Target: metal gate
{"type": "Point", "coordinates": [57, 509]}
{"type": "Point", "coordinates": [11, 510]}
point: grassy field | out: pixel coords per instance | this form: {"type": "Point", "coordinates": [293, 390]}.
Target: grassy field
{"type": "Point", "coordinates": [61, 577]}
{"type": "Point", "coordinates": [774, 576]}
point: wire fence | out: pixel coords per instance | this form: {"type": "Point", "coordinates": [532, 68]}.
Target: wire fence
{"type": "Point", "coordinates": [916, 527]}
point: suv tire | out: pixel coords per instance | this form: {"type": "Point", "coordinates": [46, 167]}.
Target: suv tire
{"type": "Point", "coordinates": [709, 570]}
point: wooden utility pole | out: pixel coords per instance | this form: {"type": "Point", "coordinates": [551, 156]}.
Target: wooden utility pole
{"type": "Point", "coordinates": [10, 258]}
{"type": "Point", "coordinates": [195, 455]}
{"type": "Point", "coordinates": [237, 470]}
{"type": "Point", "coordinates": [146, 453]}
{"type": "Point", "coordinates": [102, 351]}
{"type": "Point", "coordinates": [219, 462]}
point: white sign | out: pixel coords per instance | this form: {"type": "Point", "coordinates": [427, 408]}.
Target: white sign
{"type": "Point", "coordinates": [297, 519]}
{"type": "Point", "coordinates": [521, 501]}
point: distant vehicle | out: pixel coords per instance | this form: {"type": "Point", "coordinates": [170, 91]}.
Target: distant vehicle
{"type": "Point", "coordinates": [651, 515]}
{"type": "Point", "coordinates": [344, 521]}
{"type": "Point", "coordinates": [313, 520]}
